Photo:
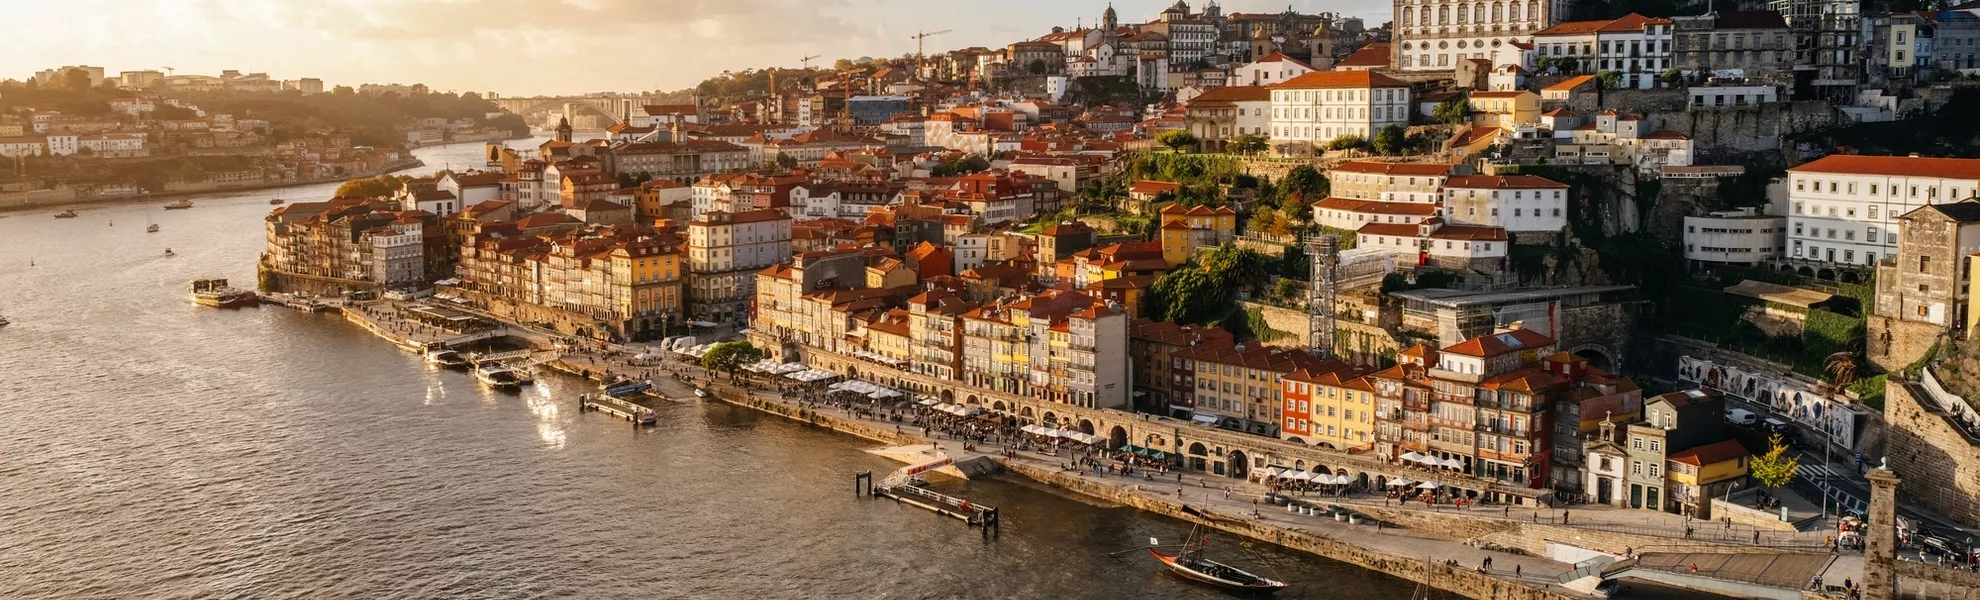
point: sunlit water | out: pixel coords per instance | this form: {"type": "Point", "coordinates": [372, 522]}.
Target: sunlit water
{"type": "Point", "coordinates": [150, 448]}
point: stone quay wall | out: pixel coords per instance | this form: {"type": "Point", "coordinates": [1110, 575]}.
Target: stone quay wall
{"type": "Point", "coordinates": [1465, 582]}
{"type": "Point", "coordinates": [272, 281]}
{"type": "Point", "coordinates": [1940, 465]}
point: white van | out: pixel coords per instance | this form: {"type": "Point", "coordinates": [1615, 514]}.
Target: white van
{"type": "Point", "coordinates": [1742, 417]}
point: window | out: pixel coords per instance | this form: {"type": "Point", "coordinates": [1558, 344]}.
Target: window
{"type": "Point", "coordinates": [1656, 445]}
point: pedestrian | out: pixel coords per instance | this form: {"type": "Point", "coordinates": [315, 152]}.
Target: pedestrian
{"type": "Point", "coordinates": [1756, 537]}
{"type": "Point", "coordinates": [1515, 570]}
{"type": "Point", "coordinates": [1179, 491]}
{"type": "Point", "coordinates": [1227, 493]}
{"type": "Point", "coordinates": [1564, 517]}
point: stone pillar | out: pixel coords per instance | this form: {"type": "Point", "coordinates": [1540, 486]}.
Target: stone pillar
{"type": "Point", "coordinates": [1880, 537]}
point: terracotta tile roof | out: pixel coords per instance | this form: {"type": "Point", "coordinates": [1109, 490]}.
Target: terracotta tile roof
{"type": "Point", "coordinates": [1629, 23]}
{"type": "Point", "coordinates": [1405, 169]}
{"type": "Point", "coordinates": [1570, 84]}
{"type": "Point", "coordinates": [1378, 207]}
{"type": "Point", "coordinates": [1500, 343]}
{"type": "Point", "coordinates": [1407, 230]}
{"type": "Point", "coordinates": [1665, 134]}
{"type": "Point", "coordinates": [1502, 182]}
{"type": "Point", "coordinates": [1851, 164]}
{"type": "Point", "coordinates": [1153, 187]}
{"type": "Point", "coordinates": [1713, 453]}
{"type": "Point", "coordinates": [1235, 93]}
{"type": "Point", "coordinates": [1339, 79]}
{"type": "Point", "coordinates": [1497, 95]}
{"type": "Point", "coordinates": [1750, 19]}
{"type": "Point", "coordinates": [1477, 233]}
{"type": "Point", "coordinates": [1529, 380]}
{"type": "Point", "coordinates": [1372, 55]}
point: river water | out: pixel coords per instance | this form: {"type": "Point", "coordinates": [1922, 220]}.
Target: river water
{"type": "Point", "coordinates": [150, 448]}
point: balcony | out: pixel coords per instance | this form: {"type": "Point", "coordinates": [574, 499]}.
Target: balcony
{"type": "Point", "coordinates": [1414, 445]}
{"type": "Point", "coordinates": [1416, 425]}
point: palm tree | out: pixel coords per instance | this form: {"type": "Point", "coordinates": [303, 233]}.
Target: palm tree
{"type": "Point", "coordinates": [1840, 368]}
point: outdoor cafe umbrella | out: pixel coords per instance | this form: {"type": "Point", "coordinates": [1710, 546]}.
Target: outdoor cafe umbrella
{"type": "Point", "coordinates": [1428, 486]}
{"type": "Point", "coordinates": [1399, 482]}
{"type": "Point", "coordinates": [1412, 457]}
{"type": "Point", "coordinates": [1452, 463]}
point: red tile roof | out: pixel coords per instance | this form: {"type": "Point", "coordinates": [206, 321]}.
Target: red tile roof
{"type": "Point", "coordinates": [1235, 93]}
{"type": "Point", "coordinates": [1849, 164]}
{"type": "Point", "coordinates": [1570, 84]}
{"type": "Point", "coordinates": [1713, 453]}
{"type": "Point", "coordinates": [1406, 169]}
{"type": "Point", "coordinates": [1502, 182]}
{"type": "Point", "coordinates": [1153, 187]}
{"type": "Point", "coordinates": [1631, 22]}
{"type": "Point", "coordinates": [1497, 95]}
{"type": "Point", "coordinates": [1378, 207]}
{"type": "Point", "coordinates": [1500, 343]}
{"type": "Point", "coordinates": [1339, 79]}
{"type": "Point", "coordinates": [1372, 55]}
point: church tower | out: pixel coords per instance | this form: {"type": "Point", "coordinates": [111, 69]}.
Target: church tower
{"type": "Point", "coordinates": [563, 129]}
{"type": "Point", "coordinates": [1109, 27]}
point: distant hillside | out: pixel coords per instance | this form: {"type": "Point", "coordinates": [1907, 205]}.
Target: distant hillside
{"type": "Point", "coordinates": [368, 120]}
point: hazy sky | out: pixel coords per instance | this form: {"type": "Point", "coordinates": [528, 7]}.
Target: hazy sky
{"type": "Point", "coordinates": [521, 47]}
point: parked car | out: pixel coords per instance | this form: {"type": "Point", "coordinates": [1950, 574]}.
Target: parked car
{"type": "Point", "coordinates": [1776, 425]}
{"type": "Point", "coordinates": [1742, 417]}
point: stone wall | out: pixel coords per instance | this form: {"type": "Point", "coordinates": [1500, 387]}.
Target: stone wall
{"type": "Point", "coordinates": [1602, 328]}
{"type": "Point", "coordinates": [272, 281]}
{"type": "Point", "coordinates": [1532, 537]}
{"type": "Point", "coordinates": [1460, 581]}
{"type": "Point", "coordinates": [1940, 466]}
{"type": "Point", "coordinates": [1920, 580]}
{"type": "Point", "coordinates": [1896, 343]}
{"type": "Point", "coordinates": [1283, 319]}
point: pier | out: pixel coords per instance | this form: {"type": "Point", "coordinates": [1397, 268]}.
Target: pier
{"type": "Point", "coordinates": [639, 415]}
{"type": "Point", "coordinates": [302, 303]}
{"type": "Point", "coordinates": [902, 487]}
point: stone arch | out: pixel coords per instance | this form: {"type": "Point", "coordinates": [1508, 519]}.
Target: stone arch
{"type": "Point", "coordinates": [1051, 419]}
{"type": "Point", "coordinates": [852, 372]}
{"type": "Point", "coordinates": [1239, 467]}
{"type": "Point", "coordinates": [1299, 464]}
{"type": "Point", "coordinates": [1599, 356]}
{"type": "Point", "coordinates": [1361, 480]}
{"type": "Point", "coordinates": [948, 396]}
{"type": "Point", "coordinates": [1295, 439]}
{"type": "Point", "coordinates": [1805, 272]}
{"type": "Point", "coordinates": [1024, 412]}
{"type": "Point", "coordinates": [1086, 427]}
{"type": "Point", "coordinates": [1787, 267]}
{"type": "Point", "coordinates": [1825, 274]}
{"type": "Point", "coordinates": [972, 400]}
{"type": "Point", "coordinates": [1850, 277]}
{"type": "Point", "coordinates": [1381, 481]}
{"type": "Point", "coordinates": [557, 105]}
{"type": "Point", "coordinates": [1198, 457]}
{"type": "Point", "coordinates": [997, 406]}
{"type": "Point", "coordinates": [1320, 468]}
{"type": "Point", "coordinates": [1198, 449]}
{"type": "Point", "coordinates": [1116, 438]}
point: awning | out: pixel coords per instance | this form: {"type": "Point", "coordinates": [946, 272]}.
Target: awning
{"type": "Point", "coordinates": [1274, 471]}
{"type": "Point", "coordinates": [703, 324]}
{"type": "Point", "coordinates": [1203, 418]}
{"type": "Point", "coordinates": [1412, 457]}
{"type": "Point", "coordinates": [1452, 463]}
{"type": "Point", "coordinates": [1428, 486]}
{"type": "Point", "coordinates": [926, 402]}
{"type": "Point", "coordinates": [1400, 482]}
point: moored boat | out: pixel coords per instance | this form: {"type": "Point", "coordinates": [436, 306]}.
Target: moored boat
{"type": "Point", "coordinates": [444, 357]}
{"type": "Point", "coordinates": [179, 204]}
{"type": "Point", "coordinates": [67, 214]}
{"type": "Point", "coordinates": [216, 293]}
{"type": "Point", "coordinates": [1190, 564]}
{"type": "Point", "coordinates": [498, 377]}
{"type": "Point", "coordinates": [4, 321]}
{"type": "Point", "coordinates": [152, 228]}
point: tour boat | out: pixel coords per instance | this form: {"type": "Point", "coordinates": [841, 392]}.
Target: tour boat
{"type": "Point", "coordinates": [1190, 564]}
{"type": "Point", "coordinates": [497, 377]}
{"type": "Point", "coordinates": [152, 228]}
{"type": "Point", "coordinates": [169, 253]}
{"type": "Point", "coordinates": [180, 204]}
{"type": "Point", "coordinates": [67, 214]}
{"type": "Point", "coordinates": [216, 293]}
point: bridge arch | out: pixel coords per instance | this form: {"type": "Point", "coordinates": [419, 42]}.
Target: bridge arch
{"type": "Point", "coordinates": [592, 105]}
{"type": "Point", "coordinates": [1599, 356]}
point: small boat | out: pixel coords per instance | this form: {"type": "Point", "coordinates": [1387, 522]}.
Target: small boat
{"type": "Point", "coordinates": [178, 205]}
{"type": "Point", "coordinates": [4, 321]}
{"type": "Point", "coordinates": [67, 214]}
{"type": "Point", "coordinates": [440, 355]}
{"type": "Point", "coordinates": [700, 393]}
{"type": "Point", "coordinates": [152, 228]}
{"type": "Point", "coordinates": [216, 293]}
{"type": "Point", "coordinates": [169, 253]}
{"type": "Point", "coordinates": [1190, 564]}
{"type": "Point", "coordinates": [498, 377]}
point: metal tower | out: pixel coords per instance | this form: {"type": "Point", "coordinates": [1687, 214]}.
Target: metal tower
{"type": "Point", "coordinates": [1325, 252]}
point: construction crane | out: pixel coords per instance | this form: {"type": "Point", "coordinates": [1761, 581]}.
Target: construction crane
{"type": "Point", "coordinates": [920, 38]}
{"type": "Point", "coordinates": [168, 71]}
{"type": "Point", "coordinates": [806, 61]}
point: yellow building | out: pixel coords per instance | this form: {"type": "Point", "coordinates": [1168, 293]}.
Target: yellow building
{"type": "Point", "coordinates": [1186, 228]}
{"type": "Point", "coordinates": [646, 286]}
{"type": "Point", "coordinates": [1504, 109]}
{"type": "Point", "coordinates": [1701, 473]}
{"type": "Point", "coordinates": [1336, 409]}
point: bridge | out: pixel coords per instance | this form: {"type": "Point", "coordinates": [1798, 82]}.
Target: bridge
{"type": "Point", "coordinates": [612, 107]}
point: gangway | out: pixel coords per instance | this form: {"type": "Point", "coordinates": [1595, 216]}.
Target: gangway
{"type": "Point", "coordinates": [905, 486]}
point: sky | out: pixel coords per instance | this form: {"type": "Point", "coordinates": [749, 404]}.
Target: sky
{"type": "Point", "coordinates": [531, 47]}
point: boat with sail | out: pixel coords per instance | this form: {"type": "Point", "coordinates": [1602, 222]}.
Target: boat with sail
{"type": "Point", "coordinates": [1189, 563]}
{"type": "Point", "coordinates": [216, 293]}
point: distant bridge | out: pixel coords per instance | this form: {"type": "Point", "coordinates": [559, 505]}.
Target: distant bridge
{"type": "Point", "coordinates": [615, 108]}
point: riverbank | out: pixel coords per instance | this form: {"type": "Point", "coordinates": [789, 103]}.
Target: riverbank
{"type": "Point", "coordinates": [21, 201]}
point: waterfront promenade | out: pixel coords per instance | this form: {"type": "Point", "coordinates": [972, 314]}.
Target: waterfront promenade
{"type": "Point", "coordinates": [1407, 540]}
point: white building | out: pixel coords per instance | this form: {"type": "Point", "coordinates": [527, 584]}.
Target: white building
{"type": "Point", "coordinates": [1434, 35]}
{"type": "Point", "coordinates": [1351, 214]}
{"type": "Point", "coordinates": [1430, 241]}
{"type": "Point", "coordinates": [1844, 209]}
{"type": "Point", "coordinates": [1517, 203]}
{"type": "Point", "coordinates": [1273, 69]}
{"type": "Point", "coordinates": [64, 145]}
{"type": "Point", "coordinates": [1636, 46]}
{"type": "Point", "coordinates": [1320, 106]}
{"type": "Point", "coordinates": [1741, 236]}
{"type": "Point", "coordinates": [1716, 96]}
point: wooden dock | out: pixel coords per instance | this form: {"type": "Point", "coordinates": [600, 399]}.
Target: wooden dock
{"type": "Point", "coordinates": [610, 404]}
{"type": "Point", "coordinates": [904, 487]}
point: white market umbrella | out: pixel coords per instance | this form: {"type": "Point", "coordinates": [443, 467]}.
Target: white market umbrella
{"type": "Point", "coordinates": [1274, 471]}
{"type": "Point", "coordinates": [1427, 486]}
{"type": "Point", "coordinates": [1412, 457]}
{"type": "Point", "coordinates": [1399, 482]}
{"type": "Point", "coordinates": [1452, 463]}
{"type": "Point", "coordinates": [926, 402]}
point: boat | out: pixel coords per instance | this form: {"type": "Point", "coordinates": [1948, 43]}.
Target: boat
{"type": "Point", "coordinates": [700, 393]}
{"type": "Point", "coordinates": [440, 355]}
{"type": "Point", "coordinates": [497, 377]}
{"type": "Point", "coordinates": [67, 214]}
{"type": "Point", "coordinates": [1190, 564]}
{"type": "Point", "coordinates": [216, 293]}
{"type": "Point", "coordinates": [4, 321]}
{"type": "Point", "coordinates": [152, 228]}
{"type": "Point", "coordinates": [169, 253]}
{"type": "Point", "coordinates": [179, 204]}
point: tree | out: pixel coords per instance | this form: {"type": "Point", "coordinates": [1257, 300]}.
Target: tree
{"type": "Point", "coordinates": [1306, 181]}
{"type": "Point", "coordinates": [1249, 143]}
{"type": "Point", "coordinates": [787, 161]}
{"type": "Point", "coordinates": [1346, 142]}
{"type": "Point", "coordinates": [1840, 369]}
{"type": "Point", "coordinates": [1775, 468]}
{"type": "Point", "coordinates": [75, 79]}
{"type": "Point", "coordinates": [1543, 63]}
{"type": "Point", "coordinates": [1567, 64]}
{"type": "Point", "coordinates": [382, 185]}
{"type": "Point", "coordinates": [1176, 139]}
{"type": "Point", "coordinates": [844, 64]}
{"type": "Point", "coordinates": [1452, 111]}
{"type": "Point", "coordinates": [1392, 140]}
{"type": "Point", "coordinates": [626, 180]}
{"type": "Point", "coordinates": [1671, 76]}
{"type": "Point", "coordinates": [728, 356]}
{"type": "Point", "coordinates": [1609, 79]}
{"type": "Point", "coordinates": [343, 90]}
{"type": "Point", "coordinates": [1037, 66]}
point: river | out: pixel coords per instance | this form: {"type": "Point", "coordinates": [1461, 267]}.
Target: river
{"type": "Point", "coordinates": [150, 448]}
